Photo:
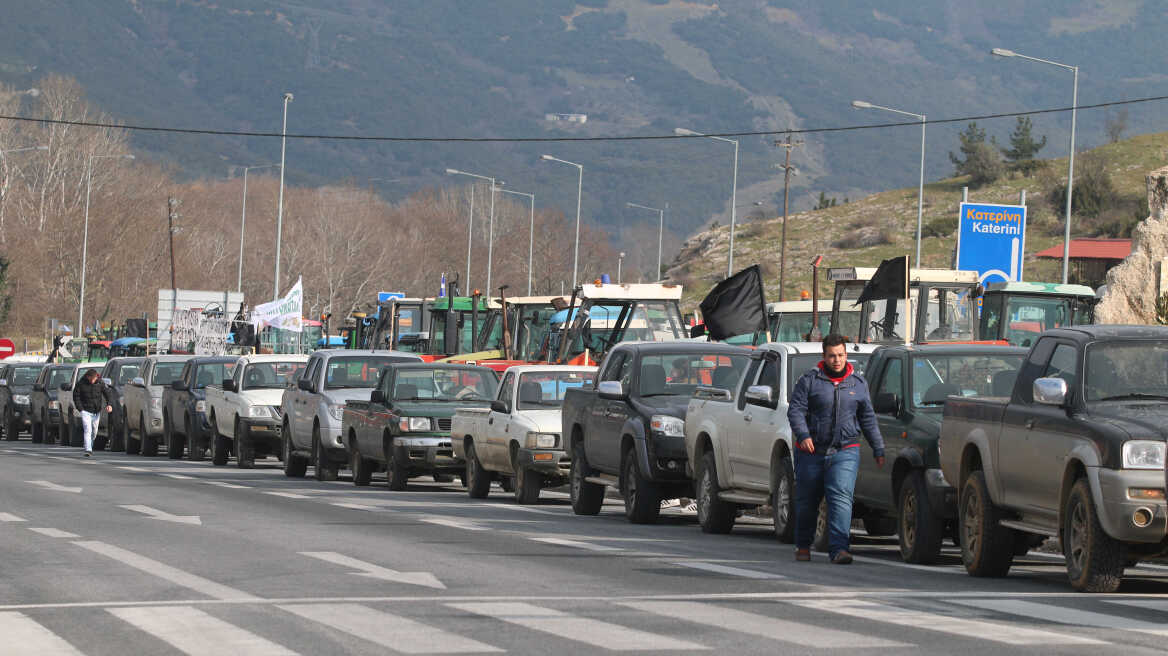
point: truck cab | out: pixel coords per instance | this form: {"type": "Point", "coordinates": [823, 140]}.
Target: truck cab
{"type": "Point", "coordinates": [603, 315]}
{"type": "Point", "coordinates": [942, 308]}
{"type": "Point", "coordinates": [1017, 312]}
{"type": "Point", "coordinates": [790, 321]}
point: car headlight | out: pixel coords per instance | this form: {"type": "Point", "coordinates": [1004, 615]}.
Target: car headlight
{"type": "Point", "coordinates": [1143, 454]}
{"type": "Point", "coordinates": [542, 440]}
{"type": "Point", "coordinates": [259, 411]}
{"type": "Point", "coordinates": [670, 426]}
{"type": "Point", "coordinates": [337, 412]}
{"type": "Point", "coordinates": [20, 399]}
{"type": "Point", "coordinates": [54, 405]}
{"type": "Point", "coordinates": [200, 406]}
{"type": "Point", "coordinates": [407, 424]}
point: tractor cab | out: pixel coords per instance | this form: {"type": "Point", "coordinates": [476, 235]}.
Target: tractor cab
{"type": "Point", "coordinates": [1018, 312]}
{"type": "Point", "coordinates": [603, 315]}
{"type": "Point", "coordinates": [790, 321]}
{"type": "Point", "coordinates": [943, 308]}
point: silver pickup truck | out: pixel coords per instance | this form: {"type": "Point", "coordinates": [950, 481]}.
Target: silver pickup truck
{"type": "Point", "coordinates": [143, 402]}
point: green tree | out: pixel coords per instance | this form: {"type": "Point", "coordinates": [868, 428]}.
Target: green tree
{"type": "Point", "coordinates": [1023, 147]}
{"type": "Point", "coordinates": [825, 202]}
{"type": "Point", "coordinates": [980, 159]}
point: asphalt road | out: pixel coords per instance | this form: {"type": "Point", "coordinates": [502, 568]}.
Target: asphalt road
{"type": "Point", "coordinates": [127, 555]}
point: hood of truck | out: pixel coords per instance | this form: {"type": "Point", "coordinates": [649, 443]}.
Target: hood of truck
{"type": "Point", "coordinates": [263, 396]}
{"type": "Point", "coordinates": [672, 405]}
{"type": "Point", "coordinates": [1140, 420]}
{"type": "Point", "coordinates": [538, 421]}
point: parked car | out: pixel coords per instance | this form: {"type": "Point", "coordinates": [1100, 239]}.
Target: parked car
{"type": "Point", "coordinates": [44, 407]}
{"type": "Point", "coordinates": [184, 405]}
{"type": "Point", "coordinates": [244, 410]}
{"type": "Point", "coordinates": [143, 402]}
{"type": "Point", "coordinates": [312, 409]}
{"type": "Point", "coordinates": [1076, 452]}
{"type": "Point", "coordinates": [404, 426]}
{"type": "Point", "coordinates": [628, 429]}
{"type": "Point", "coordinates": [518, 435]}
{"type": "Point", "coordinates": [15, 385]}
{"type": "Point", "coordinates": [117, 373]}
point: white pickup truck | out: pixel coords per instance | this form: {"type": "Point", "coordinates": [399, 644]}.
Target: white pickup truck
{"type": "Point", "coordinates": [244, 410]}
{"type": "Point", "coordinates": [519, 435]}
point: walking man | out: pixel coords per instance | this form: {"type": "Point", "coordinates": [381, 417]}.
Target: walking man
{"type": "Point", "coordinates": [829, 409]}
{"type": "Point", "coordinates": [91, 396]}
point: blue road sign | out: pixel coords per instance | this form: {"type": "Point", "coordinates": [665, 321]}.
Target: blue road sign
{"type": "Point", "coordinates": [991, 239]}
{"type": "Point", "coordinates": [385, 296]}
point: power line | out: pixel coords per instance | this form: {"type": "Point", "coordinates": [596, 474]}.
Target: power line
{"type": "Point", "coordinates": [658, 137]}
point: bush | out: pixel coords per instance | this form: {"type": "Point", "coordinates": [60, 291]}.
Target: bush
{"type": "Point", "coordinates": [942, 226]}
{"type": "Point", "coordinates": [863, 238]}
{"type": "Point", "coordinates": [1093, 192]}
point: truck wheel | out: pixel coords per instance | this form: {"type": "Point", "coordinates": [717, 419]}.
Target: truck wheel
{"type": "Point", "coordinates": [76, 438]}
{"type": "Point", "coordinates": [118, 439]}
{"type": "Point", "coordinates": [220, 449]}
{"type": "Point", "coordinates": [714, 514]}
{"type": "Point", "coordinates": [642, 496]}
{"type": "Point", "coordinates": [294, 466]}
{"type": "Point", "coordinates": [987, 548]}
{"type": "Point", "coordinates": [174, 448]}
{"type": "Point", "coordinates": [478, 480]}
{"type": "Point", "coordinates": [783, 501]}
{"type": "Point", "coordinates": [244, 449]}
{"type": "Point", "coordinates": [920, 530]}
{"type": "Point", "coordinates": [148, 442]}
{"type": "Point", "coordinates": [322, 468]}
{"type": "Point", "coordinates": [397, 471]}
{"type": "Point", "coordinates": [587, 498]}
{"type": "Point", "coordinates": [11, 429]}
{"type": "Point", "coordinates": [195, 448]}
{"type": "Point", "coordinates": [527, 486]}
{"type": "Point", "coordinates": [38, 432]}
{"type": "Point", "coordinates": [1095, 560]}
{"type": "Point", "coordinates": [819, 542]}
{"type": "Point", "coordinates": [362, 468]}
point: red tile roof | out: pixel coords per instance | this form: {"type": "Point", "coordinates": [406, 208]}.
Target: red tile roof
{"type": "Point", "coordinates": [1092, 249]}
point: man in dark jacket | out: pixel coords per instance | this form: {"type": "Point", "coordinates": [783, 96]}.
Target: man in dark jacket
{"type": "Point", "coordinates": [90, 396]}
{"type": "Point", "coordinates": [829, 409]}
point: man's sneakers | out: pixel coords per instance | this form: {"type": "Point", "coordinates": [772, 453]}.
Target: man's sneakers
{"type": "Point", "coordinates": [842, 558]}
{"type": "Point", "coordinates": [88, 454]}
{"type": "Point", "coordinates": [802, 555]}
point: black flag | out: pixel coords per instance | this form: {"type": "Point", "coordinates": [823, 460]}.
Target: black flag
{"type": "Point", "coordinates": [735, 306]}
{"type": "Point", "coordinates": [888, 282]}
{"type": "Point", "coordinates": [136, 328]}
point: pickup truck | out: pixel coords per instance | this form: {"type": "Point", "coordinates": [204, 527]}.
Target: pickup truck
{"type": "Point", "coordinates": [1076, 451]}
{"type": "Point", "coordinates": [519, 434]}
{"type": "Point", "coordinates": [142, 402]}
{"type": "Point", "coordinates": [312, 409]}
{"type": "Point", "coordinates": [184, 405]}
{"type": "Point", "coordinates": [738, 440]}
{"type": "Point", "coordinates": [117, 373]}
{"type": "Point", "coordinates": [15, 385]}
{"type": "Point", "coordinates": [404, 426]}
{"type": "Point", "coordinates": [628, 429]}
{"type": "Point", "coordinates": [244, 410]}
{"type": "Point", "coordinates": [43, 404]}
{"type": "Point", "coordinates": [909, 387]}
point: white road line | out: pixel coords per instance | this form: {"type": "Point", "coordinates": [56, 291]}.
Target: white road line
{"type": "Point", "coordinates": [196, 633]}
{"type": "Point", "coordinates": [8, 517]}
{"type": "Point", "coordinates": [353, 506]}
{"type": "Point", "coordinates": [233, 486]}
{"type": "Point", "coordinates": [1159, 605]}
{"type": "Point", "coordinates": [289, 495]}
{"type": "Point", "coordinates": [1064, 615]}
{"type": "Point", "coordinates": [581, 629]}
{"type": "Point", "coordinates": [54, 532]}
{"type": "Point", "coordinates": [178, 476]}
{"type": "Point", "coordinates": [955, 569]}
{"type": "Point", "coordinates": [166, 572]}
{"type": "Point", "coordinates": [57, 488]}
{"type": "Point", "coordinates": [133, 469]}
{"type": "Point", "coordinates": [727, 569]}
{"type": "Point", "coordinates": [388, 631]}
{"type": "Point", "coordinates": [377, 571]}
{"type": "Point", "coordinates": [23, 636]}
{"type": "Point", "coordinates": [522, 509]}
{"type": "Point", "coordinates": [804, 634]}
{"type": "Point", "coordinates": [588, 546]}
{"type": "Point", "coordinates": [154, 513]}
{"type": "Point", "coordinates": [919, 619]}
{"type": "Point", "coordinates": [455, 523]}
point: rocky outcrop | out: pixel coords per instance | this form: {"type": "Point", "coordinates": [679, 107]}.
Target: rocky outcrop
{"type": "Point", "coordinates": [1134, 285]}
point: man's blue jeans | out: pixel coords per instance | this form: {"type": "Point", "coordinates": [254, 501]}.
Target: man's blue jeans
{"type": "Point", "coordinates": [832, 475]}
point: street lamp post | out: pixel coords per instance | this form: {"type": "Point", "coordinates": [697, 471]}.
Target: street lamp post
{"type": "Point", "coordinates": [860, 104]}
{"type": "Point", "coordinates": [280, 204]}
{"type": "Point", "coordinates": [530, 234]}
{"type": "Point", "coordinates": [1002, 52]}
{"type": "Point", "coordinates": [243, 222]}
{"type": "Point", "coordinates": [733, 189]}
{"type": "Point", "coordinates": [79, 331]}
{"type": "Point", "coordinates": [491, 229]}
{"type": "Point", "coordinates": [660, 231]}
{"type": "Point", "coordinates": [579, 194]}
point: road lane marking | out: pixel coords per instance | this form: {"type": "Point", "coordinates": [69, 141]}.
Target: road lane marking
{"type": "Point", "coordinates": [954, 569]}
{"type": "Point", "coordinates": [166, 572]}
{"type": "Point", "coordinates": [376, 571]}
{"type": "Point", "coordinates": [580, 629]}
{"type": "Point", "coordinates": [9, 517]}
{"type": "Point", "coordinates": [24, 636]}
{"type": "Point", "coordinates": [1064, 615]}
{"type": "Point", "coordinates": [1159, 605]}
{"type": "Point", "coordinates": [799, 633]}
{"type": "Point", "coordinates": [155, 513]}
{"type": "Point", "coordinates": [233, 486]}
{"type": "Point", "coordinates": [353, 506]}
{"type": "Point", "coordinates": [196, 633]}
{"type": "Point", "coordinates": [517, 508]}
{"type": "Point", "coordinates": [727, 569]}
{"type": "Point", "coordinates": [56, 488]}
{"type": "Point", "coordinates": [182, 477]}
{"type": "Point", "coordinates": [54, 532]}
{"type": "Point", "coordinates": [134, 469]}
{"type": "Point", "coordinates": [289, 495]}
{"type": "Point", "coordinates": [588, 546]}
{"type": "Point", "coordinates": [966, 628]}
{"type": "Point", "coordinates": [455, 523]}
{"type": "Point", "coordinates": [389, 631]}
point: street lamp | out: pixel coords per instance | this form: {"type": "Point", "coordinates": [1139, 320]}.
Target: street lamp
{"type": "Point", "coordinates": [1002, 52]}
{"type": "Point", "coordinates": [280, 205]}
{"type": "Point", "coordinates": [619, 261]}
{"type": "Point", "coordinates": [733, 188]}
{"type": "Point", "coordinates": [491, 229]}
{"type": "Point", "coordinates": [660, 231]}
{"type": "Point", "coordinates": [85, 235]}
{"type": "Point", "coordinates": [530, 234]}
{"type": "Point", "coordinates": [243, 221]}
{"type": "Point", "coordinates": [860, 104]}
{"type": "Point", "coordinates": [579, 194]}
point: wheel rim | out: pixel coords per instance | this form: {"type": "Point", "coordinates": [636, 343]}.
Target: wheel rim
{"type": "Point", "coordinates": [908, 518]}
{"type": "Point", "coordinates": [782, 505]}
{"type": "Point", "coordinates": [970, 526]}
{"type": "Point", "coordinates": [1078, 537]}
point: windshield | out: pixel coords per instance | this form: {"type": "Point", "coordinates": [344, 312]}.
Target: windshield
{"type": "Point", "coordinates": [444, 385]}
{"type": "Point", "coordinates": [533, 326]}
{"type": "Point", "coordinates": [271, 375]}
{"type": "Point", "coordinates": [949, 316]}
{"type": "Point", "coordinates": [409, 329]}
{"type": "Point", "coordinates": [1127, 369]}
{"type": "Point", "coordinates": [466, 324]}
{"type": "Point", "coordinates": [58, 376]}
{"type": "Point", "coordinates": [1026, 317]}
{"type": "Point", "coordinates": [212, 373]}
{"type": "Point", "coordinates": [680, 373]}
{"type": "Point", "coordinates": [23, 375]}
{"type": "Point", "coordinates": [127, 372]}
{"type": "Point", "coordinates": [797, 365]}
{"type": "Point", "coordinates": [166, 373]}
{"type": "Point", "coordinates": [358, 371]}
{"type": "Point", "coordinates": [794, 326]}
{"type": "Point", "coordinates": [935, 377]}
{"type": "Point", "coordinates": [545, 389]}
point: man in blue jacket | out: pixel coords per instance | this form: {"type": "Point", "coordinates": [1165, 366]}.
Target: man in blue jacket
{"type": "Point", "coordinates": [829, 408]}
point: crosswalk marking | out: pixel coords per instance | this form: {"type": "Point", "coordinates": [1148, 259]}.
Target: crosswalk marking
{"type": "Point", "coordinates": [1064, 615]}
{"type": "Point", "coordinates": [54, 532]}
{"type": "Point", "coordinates": [23, 636]}
{"type": "Point", "coordinates": [727, 569]}
{"type": "Point", "coordinates": [8, 517]}
{"type": "Point", "coordinates": [919, 619]}
{"type": "Point", "coordinates": [196, 633]}
{"type": "Point", "coordinates": [580, 629]}
{"type": "Point", "coordinates": [387, 630]}
{"type": "Point", "coordinates": [166, 572]}
{"type": "Point", "coordinates": [1146, 603]}
{"type": "Point", "coordinates": [799, 633]}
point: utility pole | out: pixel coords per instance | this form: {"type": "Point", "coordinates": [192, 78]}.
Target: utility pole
{"type": "Point", "coordinates": [787, 168]}
{"type": "Point", "coordinates": [172, 204]}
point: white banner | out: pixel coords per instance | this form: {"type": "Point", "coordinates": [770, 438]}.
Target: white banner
{"type": "Point", "coordinates": [286, 313]}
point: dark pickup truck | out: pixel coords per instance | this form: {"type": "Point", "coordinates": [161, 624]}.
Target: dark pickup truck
{"type": "Point", "coordinates": [1075, 452]}
{"type": "Point", "coordinates": [184, 406]}
{"type": "Point", "coordinates": [15, 386]}
{"type": "Point", "coordinates": [43, 404]}
{"type": "Point", "coordinates": [627, 430]}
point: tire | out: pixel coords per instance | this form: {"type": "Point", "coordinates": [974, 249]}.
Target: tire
{"type": "Point", "coordinates": [642, 496]}
{"type": "Point", "coordinates": [294, 466]}
{"type": "Point", "coordinates": [196, 450]}
{"type": "Point", "coordinates": [587, 498]}
{"type": "Point", "coordinates": [361, 467]}
{"type": "Point", "coordinates": [220, 448]}
{"type": "Point", "coordinates": [244, 448]}
{"type": "Point", "coordinates": [11, 430]}
{"type": "Point", "coordinates": [37, 432]}
{"type": "Point", "coordinates": [987, 548]}
{"type": "Point", "coordinates": [783, 501]}
{"type": "Point", "coordinates": [121, 436]}
{"type": "Point", "coordinates": [478, 480]}
{"type": "Point", "coordinates": [1095, 560]}
{"type": "Point", "coordinates": [148, 443]}
{"type": "Point", "coordinates": [397, 473]}
{"type": "Point", "coordinates": [879, 527]}
{"type": "Point", "coordinates": [920, 531]}
{"type": "Point", "coordinates": [174, 449]}
{"type": "Point", "coordinates": [322, 468]}
{"type": "Point", "coordinates": [76, 438]}
{"type": "Point", "coordinates": [527, 485]}
{"type": "Point", "coordinates": [714, 514]}
{"type": "Point", "coordinates": [822, 535]}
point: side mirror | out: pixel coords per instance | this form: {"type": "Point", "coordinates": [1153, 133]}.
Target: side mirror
{"type": "Point", "coordinates": [612, 390]}
{"type": "Point", "coordinates": [1050, 391]}
{"type": "Point", "coordinates": [138, 382]}
{"type": "Point", "coordinates": [377, 396]}
{"type": "Point", "coordinates": [886, 403]}
{"type": "Point", "coordinates": [229, 385]}
{"type": "Point", "coordinates": [500, 406]}
{"type": "Point", "coordinates": [179, 385]}
{"type": "Point", "coordinates": [304, 384]}
{"type": "Point", "coordinates": [760, 395]}
{"type": "Point", "coordinates": [109, 382]}
{"type": "Point", "coordinates": [65, 387]}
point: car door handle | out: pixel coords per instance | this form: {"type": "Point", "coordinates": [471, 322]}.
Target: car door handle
{"type": "Point", "coordinates": [490, 421]}
{"type": "Point", "coordinates": [747, 418]}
